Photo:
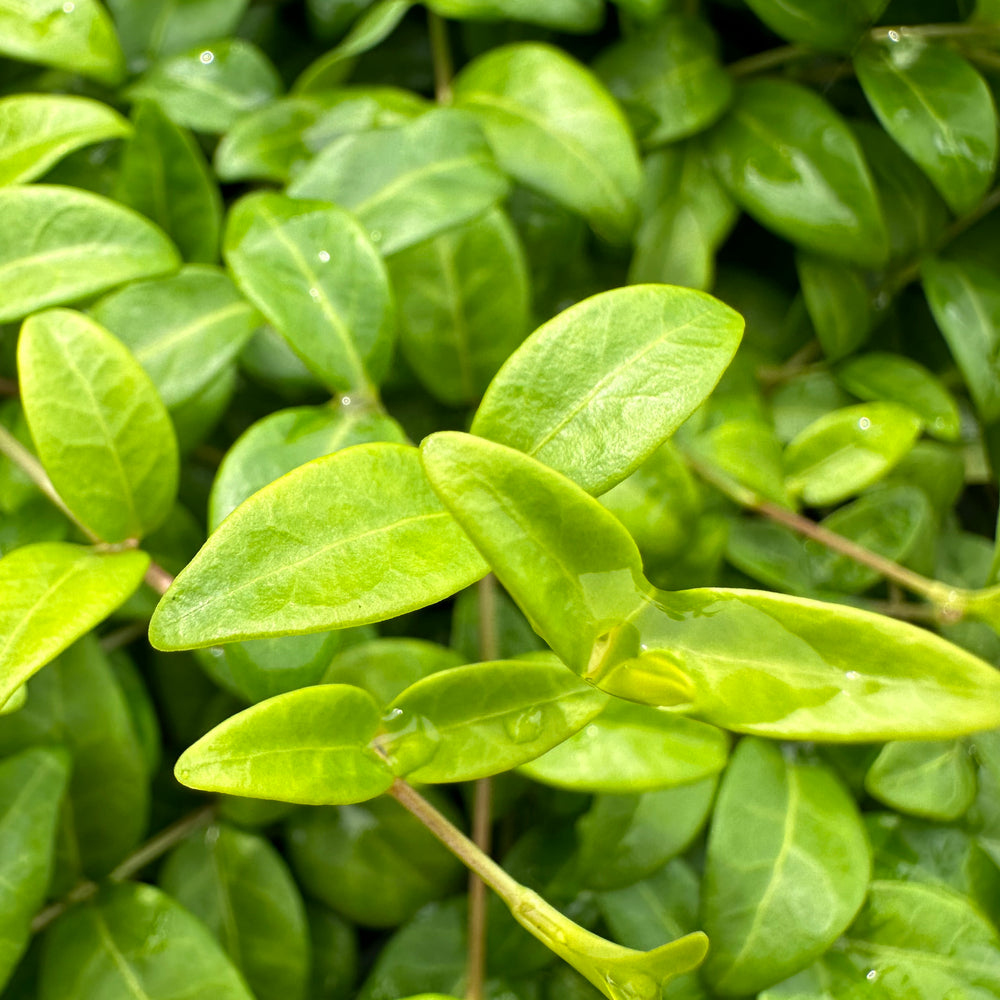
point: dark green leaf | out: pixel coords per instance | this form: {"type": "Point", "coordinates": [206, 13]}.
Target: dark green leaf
{"type": "Point", "coordinates": [838, 301]}
{"type": "Point", "coordinates": [334, 954]}
{"type": "Point", "coordinates": [594, 391]}
{"type": "Point", "coordinates": [310, 268]}
{"type": "Point", "coordinates": [411, 182]}
{"type": "Point", "coordinates": [554, 127]}
{"type": "Point", "coordinates": [61, 245]}
{"type": "Point", "coordinates": [135, 942]}
{"type": "Point", "coordinates": [934, 780]}
{"type": "Point", "coordinates": [791, 161]}
{"type": "Point", "coordinates": [276, 568]}
{"type": "Point", "coordinates": [163, 27]}
{"type": "Point", "coordinates": [102, 433]}
{"type": "Point", "coordinates": [308, 746]}
{"type": "Point", "coordinates": [781, 833]}
{"type": "Point", "coordinates": [829, 25]}
{"type": "Point", "coordinates": [563, 15]}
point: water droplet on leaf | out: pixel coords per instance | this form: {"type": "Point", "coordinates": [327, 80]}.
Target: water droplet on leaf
{"type": "Point", "coordinates": [206, 57]}
{"type": "Point", "coordinates": [314, 292]}
{"type": "Point", "coordinates": [864, 423]}
{"type": "Point", "coordinates": [410, 741]}
{"type": "Point", "coordinates": [324, 256]}
{"type": "Point", "coordinates": [525, 726]}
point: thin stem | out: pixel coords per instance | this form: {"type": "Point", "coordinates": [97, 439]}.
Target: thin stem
{"type": "Point", "coordinates": [132, 865]}
{"type": "Point", "coordinates": [158, 578]}
{"type": "Point", "coordinates": [441, 55]}
{"type": "Point", "coordinates": [8, 387]}
{"type": "Point", "coordinates": [123, 636]}
{"type": "Point", "coordinates": [893, 33]}
{"type": "Point", "coordinates": [770, 59]}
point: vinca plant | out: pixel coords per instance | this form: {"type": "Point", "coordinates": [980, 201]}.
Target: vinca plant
{"type": "Point", "coordinates": [499, 500]}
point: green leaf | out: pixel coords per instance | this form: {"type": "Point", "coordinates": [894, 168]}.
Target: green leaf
{"type": "Point", "coordinates": [133, 942]}
{"type": "Point", "coordinates": [554, 127]}
{"type": "Point", "coordinates": [625, 838]}
{"type": "Point", "coordinates": [568, 563]}
{"type": "Point", "coordinates": [847, 450]}
{"type": "Point", "coordinates": [308, 746]}
{"type": "Point", "coordinates": [277, 140]}
{"type": "Point", "coordinates": [463, 305]}
{"type": "Point", "coordinates": [372, 862]}
{"type": "Point", "coordinates": [77, 702]}
{"type": "Point", "coordinates": [38, 130]}
{"type": "Point", "coordinates": [593, 392]}
{"type": "Point", "coordinates": [334, 954]}
{"type": "Point", "coordinates": [475, 721]}
{"type": "Point", "coordinates": [838, 301]}
{"type": "Point", "coordinates": [633, 748]}
{"type": "Point", "coordinates": [277, 566]}
{"type": "Point", "coordinates": [408, 183]}
{"type": "Point", "coordinates": [61, 245]}
{"type": "Point", "coordinates": [77, 36]}
{"type": "Point", "coordinates": [32, 785]}
{"type": "Point", "coordinates": [238, 885]}
{"type": "Point", "coordinates": [51, 593]}
{"type": "Point", "coordinates": [898, 379]}
{"type": "Point", "coordinates": [781, 833]}
{"type": "Point", "coordinates": [184, 330]}
{"type": "Point", "coordinates": [102, 433]}
{"type": "Point", "coordinates": [163, 27]}
{"type": "Point", "coordinates": [791, 161]}
{"type": "Point", "coordinates": [311, 270]}
{"type": "Point", "coordinates": [828, 25]}
{"type": "Point", "coordinates": [938, 108]}
{"type": "Point", "coordinates": [209, 87]}
{"type": "Point", "coordinates": [964, 297]}
{"type": "Point", "coordinates": [163, 175]}
{"type": "Point", "coordinates": [287, 439]}
{"type": "Point", "coordinates": [582, 16]}
{"type": "Point", "coordinates": [668, 78]}
{"type": "Point", "coordinates": [936, 780]}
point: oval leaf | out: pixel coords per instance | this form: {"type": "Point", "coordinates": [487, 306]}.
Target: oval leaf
{"type": "Point", "coordinates": [308, 746]}
{"type": "Point", "coordinates": [554, 127]}
{"type": "Point", "coordinates": [593, 392]}
{"type": "Point", "coordinates": [102, 433]}
{"type": "Point", "coordinates": [838, 301]}
{"type": "Point", "coordinates": [311, 270]}
{"type": "Point", "coordinates": [791, 161]}
{"type": "Point", "coordinates": [309, 553]}
{"type": "Point", "coordinates": [934, 780]}
{"type": "Point", "coordinates": [62, 244]}
{"type": "Point", "coordinates": [781, 832]}
{"type": "Point", "coordinates": [51, 593]}
{"type": "Point", "coordinates": [828, 25]}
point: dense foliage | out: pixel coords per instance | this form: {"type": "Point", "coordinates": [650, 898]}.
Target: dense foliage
{"type": "Point", "coordinates": [688, 601]}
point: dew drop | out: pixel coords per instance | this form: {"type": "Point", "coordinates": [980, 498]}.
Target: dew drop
{"type": "Point", "coordinates": [375, 235]}
{"type": "Point", "coordinates": [871, 975]}
{"type": "Point", "coordinates": [893, 36]}
{"type": "Point", "coordinates": [211, 835]}
{"type": "Point", "coordinates": [324, 256]}
{"type": "Point", "coordinates": [864, 423]}
{"type": "Point", "coordinates": [525, 726]}
{"type": "Point", "coordinates": [69, 7]}
{"type": "Point", "coordinates": [410, 741]}
{"type": "Point", "coordinates": [393, 713]}
{"type": "Point", "coordinates": [345, 400]}
{"type": "Point", "coordinates": [853, 675]}
{"type": "Point", "coordinates": [206, 57]}
{"type": "Point", "coordinates": [314, 292]}
{"type": "Point", "coordinates": [643, 646]}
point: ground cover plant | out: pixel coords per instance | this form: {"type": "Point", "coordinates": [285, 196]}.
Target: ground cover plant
{"type": "Point", "coordinates": [554, 442]}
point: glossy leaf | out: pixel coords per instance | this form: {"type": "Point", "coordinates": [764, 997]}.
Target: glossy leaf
{"type": "Point", "coordinates": [372, 862]}
{"type": "Point", "coordinates": [308, 746]}
{"type": "Point", "coordinates": [965, 299]}
{"type": "Point", "coordinates": [287, 439]}
{"type": "Point", "coordinates": [51, 593]}
{"type": "Point", "coordinates": [79, 38]}
{"type": "Point", "coordinates": [408, 183]}
{"type": "Point", "coordinates": [668, 79]}
{"type": "Point", "coordinates": [898, 379]}
{"type": "Point", "coordinates": [102, 433]}
{"type": "Point", "coordinates": [162, 27]}
{"type": "Point", "coordinates": [38, 130]}
{"type": "Point", "coordinates": [935, 780]}
{"type": "Point", "coordinates": [791, 161]}
{"type": "Point", "coordinates": [633, 748]}
{"type": "Point", "coordinates": [849, 449]}
{"type": "Point", "coordinates": [938, 108]}
{"type": "Point", "coordinates": [184, 330]}
{"type": "Point", "coordinates": [787, 869]}
{"type": "Point", "coordinates": [62, 245]}
{"type": "Point", "coordinates": [32, 785]}
{"type": "Point", "coordinates": [575, 574]}
{"type": "Point", "coordinates": [554, 127]}
{"type": "Point", "coordinates": [309, 267]}
{"type": "Point", "coordinates": [278, 139]}
{"type": "Point", "coordinates": [838, 301]}
{"type": "Point", "coordinates": [77, 702]}
{"type": "Point", "coordinates": [208, 87]}
{"type": "Point", "coordinates": [594, 391]}
{"type": "Point", "coordinates": [474, 721]}
{"type": "Point", "coordinates": [237, 884]}
{"type": "Point", "coordinates": [322, 566]}
{"type": "Point", "coordinates": [134, 941]}
{"type": "Point", "coordinates": [463, 305]}
{"type": "Point", "coordinates": [163, 175]}
{"type": "Point", "coordinates": [829, 25]}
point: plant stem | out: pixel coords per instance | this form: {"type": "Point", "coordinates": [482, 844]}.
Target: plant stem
{"type": "Point", "coordinates": [8, 387]}
{"type": "Point", "coordinates": [132, 865]}
{"type": "Point", "coordinates": [441, 56]}
{"type": "Point", "coordinates": [123, 636]}
{"type": "Point", "coordinates": [770, 59]}
{"type": "Point", "coordinates": [956, 30]}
